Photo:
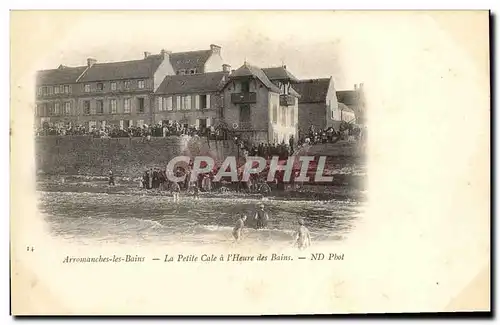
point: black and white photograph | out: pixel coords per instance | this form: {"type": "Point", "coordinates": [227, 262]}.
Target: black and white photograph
{"type": "Point", "coordinates": [306, 157]}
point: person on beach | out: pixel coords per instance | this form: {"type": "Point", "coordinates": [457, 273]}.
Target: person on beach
{"type": "Point", "coordinates": [261, 217]}
{"type": "Point", "coordinates": [239, 227]}
{"type": "Point", "coordinates": [176, 189]}
{"type": "Point", "coordinates": [303, 237]}
{"type": "Point", "coordinates": [111, 178]}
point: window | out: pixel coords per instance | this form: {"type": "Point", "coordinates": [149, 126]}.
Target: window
{"type": "Point", "coordinates": [169, 103]}
{"type": "Point", "coordinates": [40, 91]}
{"type": "Point", "coordinates": [86, 107]}
{"type": "Point", "coordinates": [112, 103]}
{"type": "Point", "coordinates": [57, 107]}
{"type": "Point", "coordinates": [244, 113]}
{"type": "Point", "coordinates": [245, 87]}
{"type": "Point", "coordinates": [87, 88]}
{"type": "Point", "coordinates": [203, 101]}
{"type": "Point", "coordinates": [140, 84]}
{"type": "Point", "coordinates": [100, 86]}
{"type": "Point", "coordinates": [178, 103]}
{"type": "Point", "coordinates": [51, 90]}
{"type": "Point", "coordinates": [181, 72]}
{"type": "Point", "coordinates": [275, 114]}
{"type": "Point", "coordinates": [127, 84]}
{"type": "Point", "coordinates": [283, 116]}
{"type": "Point", "coordinates": [99, 106]}
{"type": "Point", "coordinates": [67, 108]}
{"type": "Point", "coordinates": [113, 86]}
{"type": "Point", "coordinates": [50, 108]}
{"type": "Point", "coordinates": [192, 71]}
{"type": "Point", "coordinates": [56, 89]}
{"type": "Point", "coordinates": [140, 102]}
{"type": "Point", "coordinates": [140, 123]}
{"type": "Point", "coordinates": [44, 91]}
{"type": "Point", "coordinates": [126, 105]}
{"type": "Point", "coordinates": [67, 89]}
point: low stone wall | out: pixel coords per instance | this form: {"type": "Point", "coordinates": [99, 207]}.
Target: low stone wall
{"type": "Point", "coordinates": [127, 157]}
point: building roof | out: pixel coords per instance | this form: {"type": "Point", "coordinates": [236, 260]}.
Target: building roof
{"type": "Point", "coordinates": [345, 108]}
{"type": "Point", "coordinates": [279, 73]}
{"type": "Point", "coordinates": [194, 83]}
{"type": "Point", "coordinates": [190, 60]}
{"type": "Point", "coordinates": [61, 75]}
{"type": "Point", "coordinates": [348, 97]}
{"type": "Point", "coordinates": [313, 90]}
{"type": "Point", "coordinates": [247, 70]}
{"type": "Point", "coordinates": [144, 68]}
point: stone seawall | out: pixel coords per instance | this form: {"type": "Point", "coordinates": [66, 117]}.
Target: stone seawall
{"type": "Point", "coordinates": [84, 155]}
{"type": "Point", "coordinates": [129, 157]}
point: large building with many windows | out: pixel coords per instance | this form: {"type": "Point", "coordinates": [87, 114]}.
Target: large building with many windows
{"type": "Point", "coordinates": [118, 93]}
{"type": "Point", "coordinates": [191, 100]}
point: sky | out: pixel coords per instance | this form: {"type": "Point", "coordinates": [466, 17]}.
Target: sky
{"type": "Point", "coordinates": [310, 44]}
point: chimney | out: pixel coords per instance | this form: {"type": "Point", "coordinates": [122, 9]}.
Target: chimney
{"type": "Point", "coordinates": [226, 68]}
{"type": "Point", "coordinates": [215, 48]}
{"type": "Point", "coordinates": [146, 54]}
{"type": "Point", "coordinates": [165, 53]}
{"type": "Point", "coordinates": [91, 62]}
{"type": "Point", "coordinates": [232, 71]}
{"type": "Point", "coordinates": [284, 66]}
{"type": "Point", "coordinates": [361, 85]}
{"type": "Point", "coordinates": [355, 86]}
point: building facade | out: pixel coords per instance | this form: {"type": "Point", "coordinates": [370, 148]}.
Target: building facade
{"type": "Point", "coordinates": [261, 104]}
{"type": "Point", "coordinates": [355, 101]}
{"type": "Point", "coordinates": [191, 100]}
{"type": "Point", "coordinates": [115, 93]}
{"type": "Point", "coordinates": [318, 105]}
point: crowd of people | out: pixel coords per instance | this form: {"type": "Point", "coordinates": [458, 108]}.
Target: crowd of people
{"type": "Point", "coordinates": [346, 131]}
{"type": "Point", "coordinates": [172, 128]}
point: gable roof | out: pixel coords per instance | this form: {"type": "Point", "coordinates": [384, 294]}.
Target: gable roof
{"type": "Point", "coordinates": [348, 97]}
{"type": "Point", "coordinates": [313, 90]}
{"type": "Point", "coordinates": [345, 108]}
{"type": "Point", "coordinates": [194, 83]}
{"type": "Point", "coordinates": [61, 75]}
{"type": "Point", "coordinates": [123, 70]}
{"type": "Point", "coordinates": [279, 73]}
{"type": "Point", "coordinates": [247, 70]}
{"type": "Point", "coordinates": [190, 60]}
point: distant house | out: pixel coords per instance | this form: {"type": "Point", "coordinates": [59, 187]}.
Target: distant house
{"type": "Point", "coordinates": [261, 104]}
{"type": "Point", "coordinates": [201, 61]}
{"type": "Point", "coordinates": [318, 104]}
{"type": "Point", "coordinates": [354, 99]}
{"type": "Point", "coordinates": [191, 100]}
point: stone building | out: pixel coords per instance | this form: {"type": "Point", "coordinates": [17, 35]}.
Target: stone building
{"type": "Point", "coordinates": [56, 96]}
{"type": "Point", "coordinates": [355, 101]}
{"type": "Point", "coordinates": [118, 93]}
{"type": "Point", "coordinates": [318, 105]}
{"type": "Point", "coordinates": [191, 100]}
{"type": "Point", "coordinates": [260, 104]}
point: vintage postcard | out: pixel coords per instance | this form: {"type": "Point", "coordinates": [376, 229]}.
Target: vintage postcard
{"type": "Point", "coordinates": [249, 162]}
